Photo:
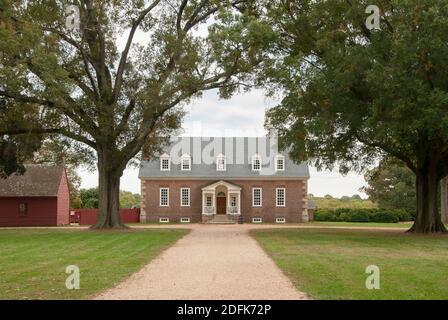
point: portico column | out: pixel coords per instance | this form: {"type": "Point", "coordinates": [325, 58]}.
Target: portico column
{"type": "Point", "coordinates": [203, 202]}
{"type": "Point", "coordinates": [239, 202]}
{"type": "Point", "coordinates": [214, 202]}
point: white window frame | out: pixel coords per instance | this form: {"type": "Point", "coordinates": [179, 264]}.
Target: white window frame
{"type": "Point", "coordinates": [233, 203]}
{"type": "Point", "coordinates": [276, 197]}
{"type": "Point", "coordinates": [257, 220]}
{"type": "Point", "coordinates": [184, 220]}
{"type": "Point", "coordinates": [253, 197]}
{"type": "Point", "coordinates": [164, 220]}
{"type": "Point", "coordinates": [280, 220]}
{"type": "Point", "coordinates": [211, 201]}
{"type": "Point", "coordinates": [165, 158]}
{"type": "Point", "coordinates": [187, 158]}
{"type": "Point", "coordinates": [222, 158]}
{"type": "Point", "coordinates": [256, 158]}
{"type": "Point", "coordinates": [277, 158]}
{"type": "Point", "coordinates": [182, 204]}
{"type": "Point", "coordinates": [167, 197]}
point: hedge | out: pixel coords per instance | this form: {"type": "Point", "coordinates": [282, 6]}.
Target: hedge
{"type": "Point", "coordinates": [362, 215]}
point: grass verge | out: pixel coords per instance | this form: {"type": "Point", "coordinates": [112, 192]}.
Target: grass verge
{"type": "Point", "coordinates": [33, 261]}
{"type": "Point", "coordinates": [331, 263]}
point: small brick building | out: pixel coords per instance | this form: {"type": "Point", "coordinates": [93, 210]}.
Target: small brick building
{"type": "Point", "coordinates": [39, 197]}
{"type": "Point", "coordinates": [223, 180]}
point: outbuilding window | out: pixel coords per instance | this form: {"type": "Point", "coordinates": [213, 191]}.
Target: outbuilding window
{"type": "Point", "coordinates": [23, 209]}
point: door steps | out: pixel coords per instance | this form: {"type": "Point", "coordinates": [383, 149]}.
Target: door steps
{"type": "Point", "coordinates": [221, 219]}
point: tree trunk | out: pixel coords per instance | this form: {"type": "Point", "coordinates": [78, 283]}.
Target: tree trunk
{"type": "Point", "coordinates": [444, 199]}
{"type": "Point", "coordinates": [427, 219]}
{"type": "Point", "coordinates": [109, 193]}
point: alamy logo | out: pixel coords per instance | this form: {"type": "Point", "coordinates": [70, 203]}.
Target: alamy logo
{"type": "Point", "coordinates": [236, 150]}
{"type": "Point", "coordinates": [73, 280]}
{"type": "Point", "coordinates": [373, 20]}
{"type": "Point", "coordinates": [373, 280]}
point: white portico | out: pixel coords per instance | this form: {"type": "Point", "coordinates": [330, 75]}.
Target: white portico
{"type": "Point", "coordinates": [221, 198]}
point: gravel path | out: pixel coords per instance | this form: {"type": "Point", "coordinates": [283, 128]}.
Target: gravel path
{"type": "Point", "coordinates": [211, 262]}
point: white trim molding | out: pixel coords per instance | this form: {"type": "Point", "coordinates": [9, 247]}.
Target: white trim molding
{"type": "Point", "coordinates": [164, 220]}
{"type": "Point", "coordinates": [257, 220]}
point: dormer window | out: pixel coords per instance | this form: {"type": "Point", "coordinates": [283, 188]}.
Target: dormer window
{"type": "Point", "coordinates": [256, 163]}
{"type": "Point", "coordinates": [165, 162]}
{"type": "Point", "coordinates": [279, 163]}
{"type": "Point", "coordinates": [221, 163]}
{"type": "Point", "coordinates": [185, 163]}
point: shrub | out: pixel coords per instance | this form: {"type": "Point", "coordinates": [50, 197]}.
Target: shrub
{"type": "Point", "coordinates": [362, 215]}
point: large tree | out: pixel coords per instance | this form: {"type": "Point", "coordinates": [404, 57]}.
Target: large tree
{"type": "Point", "coordinates": [110, 92]}
{"type": "Point", "coordinates": [355, 94]}
{"type": "Point", "coordinates": [391, 185]}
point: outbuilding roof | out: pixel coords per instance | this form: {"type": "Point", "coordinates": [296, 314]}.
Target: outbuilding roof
{"type": "Point", "coordinates": [37, 181]}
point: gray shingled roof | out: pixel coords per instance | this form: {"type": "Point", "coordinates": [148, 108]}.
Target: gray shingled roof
{"type": "Point", "coordinates": [238, 162]}
{"type": "Point", "coordinates": [37, 181]}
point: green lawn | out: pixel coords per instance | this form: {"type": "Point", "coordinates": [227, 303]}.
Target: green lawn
{"type": "Point", "coordinates": [405, 225]}
{"type": "Point", "coordinates": [33, 262]}
{"type": "Point", "coordinates": [330, 263]}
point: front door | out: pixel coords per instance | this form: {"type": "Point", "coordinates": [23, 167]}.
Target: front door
{"type": "Point", "coordinates": [221, 205]}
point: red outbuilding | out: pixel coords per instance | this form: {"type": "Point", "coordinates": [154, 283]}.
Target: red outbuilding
{"type": "Point", "coordinates": [40, 197]}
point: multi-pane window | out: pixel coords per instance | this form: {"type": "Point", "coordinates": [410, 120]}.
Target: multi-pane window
{"type": "Point", "coordinates": [256, 163]}
{"type": "Point", "coordinates": [185, 197]}
{"type": "Point", "coordinates": [280, 197]}
{"type": "Point", "coordinates": [233, 201]}
{"type": "Point", "coordinates": [164, 197]}
{"type": "Point", "coordinates": [165, 163]}
{"type": "Point", "coordinates": [280, 163]}
{"type": "Point", "coordinates": [23, 209]}
{"type": "Point", "coordinates": [256, 197]}
{"type": "Point", "coordinates": [221, 163]}
{"type": "Point", "coordinates": [185, 163]}
{"type": "Point", "coordinates": [208, 201]}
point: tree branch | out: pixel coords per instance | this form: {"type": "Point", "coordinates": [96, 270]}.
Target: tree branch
{"type": "Point", "coordinates": [125, 53]}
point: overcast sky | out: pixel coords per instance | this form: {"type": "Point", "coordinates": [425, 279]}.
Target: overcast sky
{"type": "Point", "coordinates": [242, 115]}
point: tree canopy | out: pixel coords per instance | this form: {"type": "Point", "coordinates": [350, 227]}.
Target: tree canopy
{"type": "Point", "coordinates": [391, 185]}
{"type": "Point", "coordinates": [354, 95]}
{"type": "Point", "coordinates": [117, 96]}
